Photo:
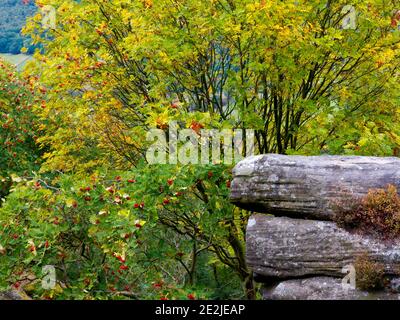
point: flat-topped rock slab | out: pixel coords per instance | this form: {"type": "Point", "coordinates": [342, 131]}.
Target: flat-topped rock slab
{"type": "Point", "coordinates": [308, 187]}
{"type": "Point", "coordinates": [322, 288]}
{"type": "Point", "coordinates": [285, 248]}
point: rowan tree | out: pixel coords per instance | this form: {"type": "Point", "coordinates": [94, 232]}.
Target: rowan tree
{"type": "Point", "coordinates": [308, 76]}
{"type": "Point", "coordinates": [19, 128]}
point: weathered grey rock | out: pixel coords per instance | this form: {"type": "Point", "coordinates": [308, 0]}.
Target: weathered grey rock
{"type": "Point", "coordinates": [13, 295]}
{"type": "Point", "coordinates": [293, 248]}
{"type": "Point", "coordinates": [395, 285]}
{"type": "Point", "coordinates": [321, 288]}
{"type": "Point", "coordinates": [299, 186]}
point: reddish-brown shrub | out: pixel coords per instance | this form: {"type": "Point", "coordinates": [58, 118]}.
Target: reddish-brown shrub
{"type": "Point", "coordinates": [378, 213]}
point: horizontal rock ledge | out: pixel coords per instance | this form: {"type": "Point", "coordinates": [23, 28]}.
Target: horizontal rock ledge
{"type": "Point", "coordinates": [308, 187]}
{"type": "Point", "coordinates": [322, 288]}
{"type": "Point", "coordinates": [14, 295]}
{"type": "Point", "coordinates": [284, 248]}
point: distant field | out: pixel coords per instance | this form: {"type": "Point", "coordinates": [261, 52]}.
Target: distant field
{"type": "Point", "coordinates": [18, 60]}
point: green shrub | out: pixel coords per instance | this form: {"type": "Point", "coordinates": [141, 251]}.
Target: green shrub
{"type": "Point", "coordinates": [140, 234]}
{"type": "Point", "coordinates": [369, 274]}
{"type": "Point", "coordinates": [19, 128]}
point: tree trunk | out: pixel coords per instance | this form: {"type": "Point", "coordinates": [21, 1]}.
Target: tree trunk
{"type": "Point", "coordinates": [250, 289]}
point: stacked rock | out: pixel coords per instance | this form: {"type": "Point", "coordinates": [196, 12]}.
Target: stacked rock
{"type": "Point", "coordinates": [296, 249]}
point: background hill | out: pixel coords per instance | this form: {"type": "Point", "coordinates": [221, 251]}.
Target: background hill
{"type": "Point", "coordinates": [13, 14]}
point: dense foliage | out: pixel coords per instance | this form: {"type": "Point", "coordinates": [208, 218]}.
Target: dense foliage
{"type": "Point", "coordinates": [13, 14]}
{"type": "Point", "coordinates": [304, 83]}
{"type": "Point", "coordinates": [18, 128]}
{"type": "Point", "coordinates": [105, 233]}
{"type": "Point", "coordinates": [115, 226]}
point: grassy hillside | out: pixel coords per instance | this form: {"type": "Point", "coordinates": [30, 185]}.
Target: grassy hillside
{"type": "Point", "coordinates": [19, 60]}
{"type": "Point", "coordinates": [13, 14]}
